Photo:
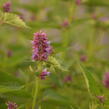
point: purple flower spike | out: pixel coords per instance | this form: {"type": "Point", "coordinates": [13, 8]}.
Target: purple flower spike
{"type": "Point", "coordinates": [41, 47]}
{"type": "Point", "coordinates": [106, 80]}
{"type": "Point", "coordinates": [7, 7]}
{"type": "Point", "coordinates": [44, 73]}
{"type": "Point", "coordinates": [11, 105]}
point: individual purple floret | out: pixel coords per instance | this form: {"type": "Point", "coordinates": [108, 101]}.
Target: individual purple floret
{"type": "Point", "coordinates": [7, 7]}
{"type": "Point", "coordinates": [41, 47]}
{"type": "Point", "coordinates": [106, 80]}
{"type": "Point", "coordinates": [44, 73]}
{"type": "Point", "coordinates": [11, 105]}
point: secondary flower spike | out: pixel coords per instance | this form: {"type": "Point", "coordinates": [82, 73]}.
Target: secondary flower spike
{"type": "Point", "coordinates": [7, 7]}
{"type": "Point", "coordinates": [11, 105]}
{"type": "Point", "coordinates": [41, 47]}
{"type": "Point", "coordinates": [78, 2]}
{"type": "Point", "coordinates": [44, 73]}
{"type": "Point", "coordinates": [106, 80]}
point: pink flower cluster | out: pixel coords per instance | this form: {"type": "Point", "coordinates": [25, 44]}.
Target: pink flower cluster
{"type": "Point", "coordinates": [44, 73]}
{"type": "Point", "coordinates": [78, 2]}
{"type": "Point", "coordinates": [7, 7]}
{"type": "Point", "coordinates": [106, 80]}
{"type": "Point", "coordinates": [12, 105]}
{"type": "Point", "coordinates": [41, 47]}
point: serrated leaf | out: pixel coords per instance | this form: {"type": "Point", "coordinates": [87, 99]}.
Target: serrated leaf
{"type": "Point", "coordinates": [12, 19]}
{"type": "Point", "coordinates": [15, 20]}
{"type": "Point", "coordinates": [55, 63]}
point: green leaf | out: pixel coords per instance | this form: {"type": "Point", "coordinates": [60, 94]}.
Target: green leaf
{"type": "Point", "coordinates": [10, 80]}
{"type": "Point", "coordinates": [56, 64]}
{"type": "Point", "coordinates": [37, 73]}
{"type": "Point", "coordinates": [4, 89]}
{"type": "Point", "coordinates": [92, 85]}
{"type": "Point", "coordinates": [55, 98]}
{"type": "Point", "coordinates": [19, 96]}
{"type": "Point", "coordinates": [12, 19]}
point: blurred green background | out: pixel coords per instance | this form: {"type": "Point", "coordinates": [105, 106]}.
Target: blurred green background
{"type": "Point", "coordinates": [78, 31]}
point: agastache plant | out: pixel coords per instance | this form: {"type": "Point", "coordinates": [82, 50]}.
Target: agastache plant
{"type": "Point", "coordinates": [41, 47]}
{"type": "Point", "coordinates": [41, 51]}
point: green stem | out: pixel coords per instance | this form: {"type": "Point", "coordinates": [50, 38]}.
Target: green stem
{"type": "Point", "coordinates": [35, 93]}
